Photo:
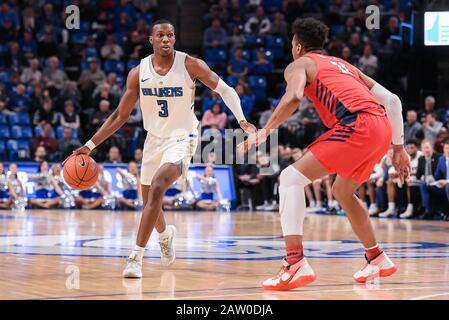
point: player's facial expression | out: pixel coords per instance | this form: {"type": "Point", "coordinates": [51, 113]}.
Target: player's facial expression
{"type": "Point", "coordinates": [163, 39]}
{"type": "Point", "coordinates": [209, 172]}
{"type": "Point", "coordinates": [296, 48]}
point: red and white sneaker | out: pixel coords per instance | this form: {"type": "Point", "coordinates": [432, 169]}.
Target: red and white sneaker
{"type": "Point", "coordinates": [381, 266]}
{"type": "Point", "coordinates": [291, 276]}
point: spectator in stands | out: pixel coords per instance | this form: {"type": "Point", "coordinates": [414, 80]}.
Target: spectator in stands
{"type": "Point", "coordinates": [412, 128]}
{"type": "Point", "coordinates": [70, 92]}
{"type": "Point", "coordinates": [267, 113]}
{"type": "Point", "coordinates": [427, 166]}
{"type": "Point", "coordinates": [442, 173]}
{"type": "Point", "coordinates": [238, 67]}
{"type": "Point", "coordinates": [368, 62]}
{"type": "Point", "coordinates": [215, 117]}
{"type": "Point", "coordinates": [16, 187]}
{"type": "Point", "coordinates": [31, 75]}
{"type": "Point", "coordinates": [110, 50]}
{"type": "Point", "coordinates": [431, 127]}
{"type": "Point", "coordinates": [53, 77]}
{"type": "Point", "coordinates": [6, 13]}
{"type": "Point", "coordinates": [258, 24]}
{"type": "Point", "coordinates": [296, 9]}
{"type": "Point", "coordinates": [114, 155]}
{"type": "Point", "coordinates": [100, 116]}
{"type": "Point", "coordinates": [67, 143]}
{"type": "Point", "coordinates": [7, 31]}
{"type": "Point", "coordinates": [3, 108]}
{"type": "Point", "coordinates": [413, 195]}
{"type": "Point", "coordinates": [102, 25]}
{"type": "Point", "coordinates": [245, 100]}
{"type": "Point", "coordinates": [40, 154]}
{"type": "Point", "coordinates": [19, 100]}
{"type": "Point", "coordinates": [215, 35]}
{"type": "Point", "coordinates": [138, 155]}
{"type": "Point", "coordinates": [237, 39]}
{"type": "Point", "coordinates": [115, 86]}
{"type": "Point", "coordinates": [392, 28]}
{"type": "Point", "coordinates": [45, 114]}
{"type": "Point", "coordinates": [279, 26]}
{"type": "Point", "coordinates": [5, 199]}
{"type": "Point", "coordinates": [48, 15]}
{"type": "Point", "coordinates": [136, 48]}
{"type": "Point", "coordinates": [429, 107]}
{"type": "Point", "coordinates": [69, 118]}
{"type": "Point", "coordinates": [347, 55]}
{"type": "Point", "coordinates": [104, 93]}
{"type": "Point", "coordinates": [355, 45]}
{"type": "Point", "coordinates": [236, 13]}
{"type": "Point", "coordinates": [47, 46]}
{"type": "Point", "coordinates": [28, 44]}
{"type": "Point", "coordinates": [12, 57]}
{"type": "Point", "coordinates": [310, 121]}
{"type": "Point", "coordinates": [348, 29]}
{"type": "Point", "coordinates": [46, 139]}
{"type": "Point", "coordinates": [442, 136]}
{"type": "Point", "coordinates": [91, 77]}
{"type": "Point", "coordinates": [262, 66]}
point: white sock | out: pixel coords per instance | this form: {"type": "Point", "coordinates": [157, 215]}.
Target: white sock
{"type": "Point", "coordinates": [164, 234]}
{"type": "Point", "coordinates": [329, 204]}
{"type": "Point", "coordinates": [137, 253]}
{"type": "Point", "coordinates": [409, 207]}
{"type": "Point", "coordinates": [391, 205]}
{"type": "Point", "coordinates": [312, 204]}
{"type": "Point", "coordinates": [319, 204]}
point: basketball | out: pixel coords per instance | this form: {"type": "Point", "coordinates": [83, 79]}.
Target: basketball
{"type": "Point", "coordinates": [80, 171]}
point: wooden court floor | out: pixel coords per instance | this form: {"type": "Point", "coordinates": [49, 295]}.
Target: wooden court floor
{"type": "Point", "coordinates": [63, 254]}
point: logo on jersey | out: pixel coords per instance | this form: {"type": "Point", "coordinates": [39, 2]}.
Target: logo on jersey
{"type": "Point", "coordinates": [164, 92]}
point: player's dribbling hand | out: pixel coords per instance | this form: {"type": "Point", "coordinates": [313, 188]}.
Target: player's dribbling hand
{"type": "Point", "coordinates": [247, 126]}
{"type": "Point", "coordinates": [401, 162]}
{"type": "Point", "coordinates": [80, 150]}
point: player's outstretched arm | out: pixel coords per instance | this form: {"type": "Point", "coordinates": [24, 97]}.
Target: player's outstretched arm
{"type": "Point", "coordinates": [296, 78]}
{"type": "Point", "coordinates": [120, 115]}
{"type": "Point", "coordinates": [393, 108]}
{"type": "Point", "coordinates": [198, 69]}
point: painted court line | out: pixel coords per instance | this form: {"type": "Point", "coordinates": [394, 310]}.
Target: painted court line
{"type": "Point", "coordinates": [274, 293]}
{"type": "Point", "coordinates": [431, 296]}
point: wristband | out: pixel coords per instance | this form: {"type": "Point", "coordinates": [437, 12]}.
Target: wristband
{"type": "Point", "coordinates": [90, 144]}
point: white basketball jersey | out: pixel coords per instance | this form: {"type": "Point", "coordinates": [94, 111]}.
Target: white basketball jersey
{"type": "Point", "coordinates": [167, 101]}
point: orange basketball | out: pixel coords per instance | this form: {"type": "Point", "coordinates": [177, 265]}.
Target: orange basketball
{"type": "Point", "coordinates": [80, 171]}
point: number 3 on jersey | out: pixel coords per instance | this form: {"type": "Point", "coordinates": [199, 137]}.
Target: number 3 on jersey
{"type": "Point", "coordinates": [164, 108]}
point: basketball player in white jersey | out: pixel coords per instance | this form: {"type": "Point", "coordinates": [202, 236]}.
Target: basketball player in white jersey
{"type": "Point", "coordinates": [165, 83]}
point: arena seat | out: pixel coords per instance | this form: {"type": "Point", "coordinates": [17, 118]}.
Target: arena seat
{"type": "Point", "coordinates": [4, 132]}
{"type": "Point", "coordinates": [60, 129]}
{"type": "Point", "coordinates": [38, 132]}
{"type": "Point", "coordinates": [255, 41]}
{"type": "Point", "coordinates": [232, 80]}
{"type": "Point", "coordinates": [258, 85]}
{"type": "Point", "coordinates": [19, 132]}
{"type": "Point", "coordinates": [115, 66]}
{"type": "Point", "coordinates": [91, 52]}
{"type": "Point", "coordinates": [275, 44]}
{"type": "Point", "coordinates": [132, 63]}
{"type": "Point", "coordinates": [79, 37]}
{"type": "Point", "coordinates": [2, 150]}
{"type": "Point", "coordinates": [246, 54]}
{"type": "Point", "coordinates": [268, 54]}
{"type": "Point", "coordinates": [19, 118]}
{"type": "Point", "coordinates": [3, 119]}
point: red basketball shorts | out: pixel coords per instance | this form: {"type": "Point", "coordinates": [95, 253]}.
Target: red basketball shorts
{"type": "Point", "coordinates": [353, 149]}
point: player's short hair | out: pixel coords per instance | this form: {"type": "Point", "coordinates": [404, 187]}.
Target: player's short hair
{"type": "Point", "coordinates": [160, 21]}
{"type": "Point", "coordinates": [446, 142]}
{"type": "Point", "coordinates": [310, 33]}
{"type": "Point", "coordinates": [413, 141]}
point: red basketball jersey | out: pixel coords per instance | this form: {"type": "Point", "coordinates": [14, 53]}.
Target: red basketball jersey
{"type": "Point", "coordinates": [338, 92]}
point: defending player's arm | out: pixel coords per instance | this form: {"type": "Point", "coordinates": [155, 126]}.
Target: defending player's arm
{"type": "Point", "coordinates": [198, 69]}
{"type": "Point", "coordinates": [296, 78]}
{"type": "Point", "coordinates": [393, 108]}
{"type": "Point", "coordinates": [120, 115]}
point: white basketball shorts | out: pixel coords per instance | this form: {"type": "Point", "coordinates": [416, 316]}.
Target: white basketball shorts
{"type": "Point", "coordinates": [157, 151]}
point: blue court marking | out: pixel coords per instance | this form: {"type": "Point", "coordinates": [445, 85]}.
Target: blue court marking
{"type": "Point", "coordinates": [259, 288]}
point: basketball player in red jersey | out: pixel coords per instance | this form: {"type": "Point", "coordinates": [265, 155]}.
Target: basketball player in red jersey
{"type": "Point", "coordinates": [364, 119]}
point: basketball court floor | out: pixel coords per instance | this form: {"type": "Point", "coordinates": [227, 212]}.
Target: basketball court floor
{"type": "Point", "coordinates": [63, 254]}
